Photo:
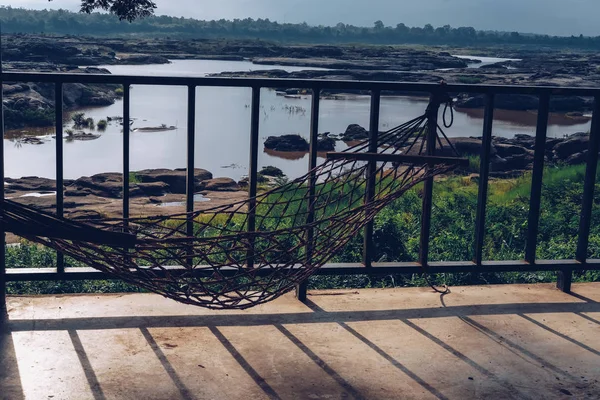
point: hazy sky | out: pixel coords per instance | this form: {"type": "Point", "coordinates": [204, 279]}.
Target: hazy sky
{"type": "Point", "coordinates": [557, 17]}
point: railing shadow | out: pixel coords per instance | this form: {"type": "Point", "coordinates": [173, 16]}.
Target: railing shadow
{"type": "Point", "coordinates": [183, 389]}
{"type": "Point", "coordinates": [590, 319]}
{"type": "Point", "coordinates": [464, 358]}
{"type": "Point", "coordinates": [231, 320]}
{"type": "Point", "coordinates": [520, 350]}
{"type": "Point", "coordinates": [395, 362]}
{"type": "Point", "coordinates": [320, 362]}
{"type": "Point", "coordinates": [10, 380]}
{"type": "Point", "coordinates": [256, 377]}
{"type": "Point", "coordinates": [88, 370]}
{"type": "Point", "coordinates": [561, 335]}
{"type": "Point", "coordinates": [515, 347]}
{"type": "Point", "coordinates": [11, 387]}
{"type": "Point", "coordinates": [588, 300]}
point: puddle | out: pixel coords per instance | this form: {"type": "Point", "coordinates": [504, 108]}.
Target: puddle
{"type": "Point", "coordinates": [40, 194]}
{"type": "Point", "coordinates": [198, 198]}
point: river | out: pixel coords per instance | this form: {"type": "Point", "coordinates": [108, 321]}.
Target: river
{"type": "Point", "coordinates": [223, 126]}
{"type": "Point", "coordinates": [484, 60]}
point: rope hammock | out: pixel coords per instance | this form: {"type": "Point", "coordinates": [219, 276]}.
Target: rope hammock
{"type": "Point", "coordinates": [250, 252]}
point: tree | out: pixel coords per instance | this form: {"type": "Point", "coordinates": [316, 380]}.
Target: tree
{"type": "Point", "coordinates": [124, 9]}
{"type": "Point", "coordinates": [379, 25]}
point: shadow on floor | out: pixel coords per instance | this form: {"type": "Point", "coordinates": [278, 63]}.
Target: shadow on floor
{"type": "Point", "coordinates": [319, 316]}
{"type": "Point", "coordinates": [11, 386]}
{"type": "Point", "coordinates": [10, 382]}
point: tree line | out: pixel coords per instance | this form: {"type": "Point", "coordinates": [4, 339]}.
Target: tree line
{"type": "Point", "coordinates": [19, 20]}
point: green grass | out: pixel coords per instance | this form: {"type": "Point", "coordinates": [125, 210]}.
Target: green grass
{"type": "Point", "coordinates": [133, 178]}
{"type": "Point", "coordinates": [397, 230]}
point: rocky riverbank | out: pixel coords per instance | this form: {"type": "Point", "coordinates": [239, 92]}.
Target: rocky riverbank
{"type": "Point", "coordinates": [558, 104]}
{"type": "Point", "coordinates": [537, 68]}
{"type": "Point", "coordinates": [152, 192]}
{"type": "Point", "coordinates": [510, 157]}
{"type": "Point", "coordinates": [42, 51]}
{"type": "Point", "coordinates": [32, 104]}
{"type": "Point", "coordinates": [87, 51]}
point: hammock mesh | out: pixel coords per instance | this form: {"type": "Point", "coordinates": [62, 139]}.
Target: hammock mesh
{"type": "Point", "coordinates": [249, 252]}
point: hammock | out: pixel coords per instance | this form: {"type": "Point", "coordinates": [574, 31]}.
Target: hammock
{"type": "Point", "coordinates": [250, 252]}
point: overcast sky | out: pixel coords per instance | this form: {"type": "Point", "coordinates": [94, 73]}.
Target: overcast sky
{"type": "Point", "coordinates": [556, 17]}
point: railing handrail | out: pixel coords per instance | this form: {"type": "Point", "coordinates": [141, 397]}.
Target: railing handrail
{"type": "Point", "coordinates": [211, 81]}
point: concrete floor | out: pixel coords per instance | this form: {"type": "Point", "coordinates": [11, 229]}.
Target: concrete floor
{"type": "Point", "coordinates": [501, 342]}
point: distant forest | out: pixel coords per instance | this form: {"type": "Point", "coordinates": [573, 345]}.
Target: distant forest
{"type": "Point", "coordinates": [18, 20]}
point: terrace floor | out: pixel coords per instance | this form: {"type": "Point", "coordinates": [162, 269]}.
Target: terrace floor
{"type": "Point", "coordinates": [500, 342]}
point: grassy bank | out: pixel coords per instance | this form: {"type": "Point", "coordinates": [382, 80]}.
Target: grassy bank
{"type": "Point", "coordinates": [397, 231]}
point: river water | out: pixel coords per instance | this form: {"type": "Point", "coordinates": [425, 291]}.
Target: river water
{"type": "Point", "coordinates": [223, 126]}
{"type": "Point", "coordinates": [485, 60]}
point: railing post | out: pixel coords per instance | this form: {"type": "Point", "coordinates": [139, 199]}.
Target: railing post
{"type": "Point", "coordinates": [484, 175]}
{"type": "Point", "coordinates": [126, 152]}
{"type": "Point", "coordinates": [301, 289]}
{"type": "Point", "coordinates": [191, 146]}
{"type": "Point", "coordinates": [536, 178]}
{"type": "Point", "coordinates": [432, 126]}
{"type": "Point", "coordinates": [253, 169]}
{"type": "Point", "coordinates": [565, 276]}
{"type": "Point", "coordinates": [2, 234]}
{"type": "Point", "coordinates": [60, 207]}
{"type": "Point", "coordinates": [368, 247]}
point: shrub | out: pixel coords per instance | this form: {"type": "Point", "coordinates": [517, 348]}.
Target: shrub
{"type": "Point", "coordinates": [102, 124]}
{"type": "Point", "coordinates": [269, 170]}
{"type": "Point", "coordinates": [18, 118]}
{"type": "Point", "coordinates": [133, 178]}
{"type": "Point", "coordinates": [79, 119]}
{"type": "Point", "coordinates": [119, 92]}
{"type": "Point", "coordinates": [469, 80]}
{"type": "Point", "coordinates": [474, 164]}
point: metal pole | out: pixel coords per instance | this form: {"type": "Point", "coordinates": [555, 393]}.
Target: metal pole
{"type": "Point", "coordinates": [301, 289]}
{"type": "Point", "coordinates": [126, 152]}
{"type": "Point", "coordinates": [191, 144]}
{"type": "Point", "coordinates": [368, 248]}
{"type": "Point", "coordinates": [2, 234]}
{"type": "Point", "coordinates": [484, 175]}
{"type": "Point", "coordinates": [190, 171]}
{"type": "Point", "coordinates": [253, 168]}
{"type": "Point", "coordinates": [432, 125]}
{"type": "Point", "coordinates": [60, 208]}
{"type": "Point", "coordinates": [565, 276]}
{"type": "Point", "coordinates": [536, 179]}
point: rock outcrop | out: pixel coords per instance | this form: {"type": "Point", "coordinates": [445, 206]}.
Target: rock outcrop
{"type": "Point", "coordinates": [174, 179]}
{"type": "Point", "coordinates": [32, 104]}
{"type": "Point", "coordinates": [354, 132]}
{"type": "Point", "coordinates": [151, 182]}
{"type": "Point", "coordinates": [269, 170]}
{"type": "Point", "coordinates": [286, 143]}
{"type": "Point", "coordinates": [220, 185]}
{"type": "Point", "coordinates": [516, 102]}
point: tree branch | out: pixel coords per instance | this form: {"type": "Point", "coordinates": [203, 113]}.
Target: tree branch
{"type": "Point", "coordinates": [125, 9]}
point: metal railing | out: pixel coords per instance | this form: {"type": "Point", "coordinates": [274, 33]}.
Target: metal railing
{"type": "Point", "coordinates": [529, 263]}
